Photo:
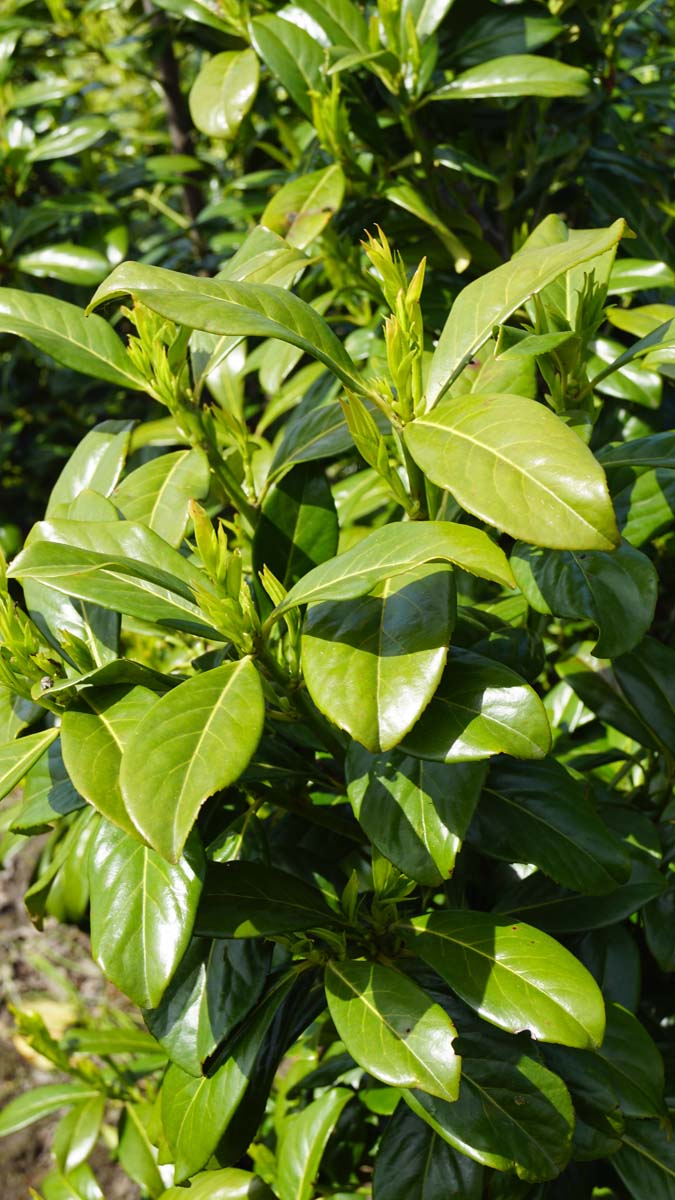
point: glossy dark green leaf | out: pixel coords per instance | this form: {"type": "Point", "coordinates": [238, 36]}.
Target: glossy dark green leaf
{"type": "Point", "coordinates": [501, 32]}
{"type": "Point", "coordinates": [516, 75]}
{"type": "Point", "coordinates": [635, 693]}
{"type": "Point", "coordinates": [195, 740]}
{"type": "Point", "coordinates": [94, 733]}
{"type": "Point", "coordinates": [490, 300]}
{"type": "Point", "coordinates": [204, 12]}
{"type": "Point", "coordinates": [96, 465]}
{"type": "Point", "coordinates": [516, 465]}
{"type": "Point", "coordinates": [87, 344]}
{"type": "Point", "coordinates": [408, 198]}
{"type": "Point", "coordinates": [39, 1102]}
{"type": "Point", "coordinates": [17, 758]}
{"type": "Point", "coordinates": [157, 493]}
{"type": "Point", "coordinates": [659, 925]}
{"type": "Point", "coordinates": [67, 262]}
{"type": "Point", "coordinates": [638, 274]}
{"type": "Point", "coordinates": [540, 814]}
{"type": "Point", "coordinates": [416, 812]}
{"type": "Point", "coordinates": [303, 1141]}
{"type": "Point", "coordinates": [16, 714]}
{"type": "Point", "coordinates": [631, 382]}
{"type": "Point", "coordinates": [196, 1112]}
{"type": "Point", "coordinates": [373, 663]}
{"type": "Point", "coordinates": [513, 1114]}
{"type": "Point", "coordinates": [223, 93]}
{"type": "Point", "coordinates": [634, 1064]}
{"type": "Point", "coordinates": [213, 990]}
{"type": "Point", "coordinates": [142, 911]}
{"type": "Point", "coordinates": [512, 974]}
{"type": "Point", "coordinates": [119, 565]}
{"type": "Point", "coordinates": [341, 20]}
{"type": "Point", "coordinates": [393, 550]}
{"type": "Point", "coordinates": [392, 1028]}
{"type": "Point", "coordinates": [481, 708]}
{"type": "Point", "coordinates": [617, 591]}
{"type": "Point", "coordinates": [295, 58]}
{"type": "Point", "coordinates": [245, 899]}
{"type": "Point", "coordinates": [612, 956]}
{"type": "Point", "coordinates": [561, 911]}
{"type": "Point", "coordinates": [223, 307]}
{"type": "Point", "coordinates": [415, 1163]}
{"type": "Point", "coordinates": [646, 1160]}
{"type": "Point", "coordinates": [591, 1087]}
{"type": "Point", "coordinates": [298, 526]}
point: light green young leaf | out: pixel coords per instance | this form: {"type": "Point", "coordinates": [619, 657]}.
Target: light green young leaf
{"type": "Point", "coordinates": [395, 549]}
{"type": "Point", "coordinates": [302, 208]}
{"type": "Point", "coordinates": [488, 301]}
{"type": "Point", "coordinates": [17, 758]}
{"type": "Point", "coordinates": [196, 739]}
{"type": "Point", "coordinates": [392, 1028]}
{"type": "Point", "coordinates": [40, 1102]}
{"type": "Point", "coordinates": [223, 93]}
{"type": "Point", "coordinates": [303, 1141]}
{"type": "Point", "coordinates": [512, 974]}
{"type": "Point", "coordinates": [515, 464]}
{"type": "Point", "coordinates": [516, 75]}
{"type": "Point", "coordinates": [157, 493]}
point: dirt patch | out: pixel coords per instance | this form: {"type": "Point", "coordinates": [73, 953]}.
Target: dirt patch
{"type": "Point", "coordinates": [51, 971]}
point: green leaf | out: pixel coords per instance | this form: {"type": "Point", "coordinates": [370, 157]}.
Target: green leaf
{"type": "Point", "coordinates": [136, 1154]}
{"type": "Point", "coordinates": [502, 32]}
{"type": "Point", "coordinates": [230, 1184]}
{"type": "Point", "coordinates": [512, 1113]}
{"type": "Point", "coordinates": [196, 1112]}
{"type": "Point", "coordinates": [302, 208]}
{"type": "Point", "coordinates": [223, 307]}
{"type": "Point", "coordinates": [303, 1140]}
{"type": "Point", "coordinates": [16, 714]}
{"type": "Point", "coordinates": [17, 758]}
{"type": "Point", "coordinates": [658, 919]}
{"type": "Point", "coordinates": [292, 55]}
{"type": "Point", "coordinates": [634, 1064]}
{"type": "Point", "coordinates": [370, 664]}
{"type": "Point", "coordinates": [515, 464]}
{"type": "Point", "coordinates": [223, 93]}
{"type": "Point", "coordinates": [490, 300]}
{"type": "Point", "coordinates": [637, 274]}
{"type": "Point", "coordinates": [203, 12]}
{"type": "Point", "coordinates": [617, 591]}
{"type": "Point", "coordinates": [67, 262]}
{"type": "Point", "coordinates": [157, 493]}
{"type": "Point", "coordinates": [406, 197]}
{"type": "Point", "coordinates": [392, 1028]}
{"type": "Point", "coordinates": [341, 20]}
{"type": "Point", "coordinates": [81, 1184]}
{"type": "Point", "coordinates": [95, 465]}
{"type": "Point", "coordinates": [77, 1133]}
{"type": "Point", "coordinates": [87, 344]}
{"type": "Point", "coordinates": [246, 899]}
{"type": "Point", "coordinates": [40, 1102]}
{"type": "Point", "coordinates": [632, 381]}
{"type": "Point", "coordinates": [512, 975]}
{"type": "Point", "coordinates": [71, 138]}
{"type": "Point", "coordinates": [213, 990]}
{"type": "Point", "coordinates": [142, 911]}
{"type": "Point", "coordinates": [561, 911]}
{"type": "Point", "coordinates": [540, 814]}
{"type": "Point", "coordinates": [119, 565]}
{"type": "Point", "coordinates": [427, 15]}
{"type": "Point", "coordinates": [415, 1163]}
{"type": "Point", "coordinates": [515, 75]}
{"type": "Point", "coordinates": [480, 708]}
{"type": "Point", "coordinates": [416, 812]}
{"type": "Point", "coordinates": [646, 1160]}
{"type": "Point", "coordinates": [298, 526]}
{"type": "Point", "coordinates": [195, 740]}
{"type": "Point", "coordinates": [392, 551]}
{"type": "Point", "coordinates": [95, 731]}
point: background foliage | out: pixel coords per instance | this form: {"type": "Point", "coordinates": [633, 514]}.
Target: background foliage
{"type": "Point", "coordinates": [350, 856]}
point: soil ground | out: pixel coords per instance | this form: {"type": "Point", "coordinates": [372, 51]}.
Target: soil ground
{"type": "Point", "coordinates": [43, 970]}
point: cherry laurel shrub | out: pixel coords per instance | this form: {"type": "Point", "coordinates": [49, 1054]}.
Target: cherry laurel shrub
{"type": "Point", "coordinates": [334, 693]}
